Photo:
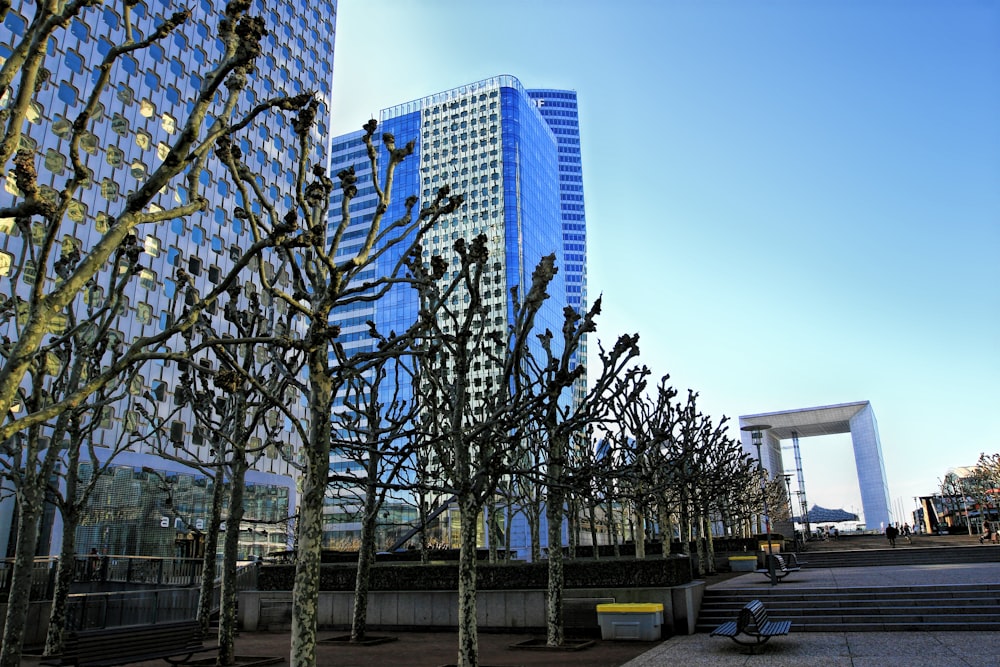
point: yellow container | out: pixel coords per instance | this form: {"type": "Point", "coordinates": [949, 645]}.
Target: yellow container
{"type": "Point", "coordinates": [629, 607]}
{"type": "Point", "coordinates": [638, 620]}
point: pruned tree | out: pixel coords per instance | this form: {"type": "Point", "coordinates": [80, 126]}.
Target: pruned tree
{"type": "Point", "coordinates": [71, 493]}
{"type": "Point", "coordinates": [375, 429]}
{"type": "Point", "coordinates": [49, 277]}
{"type": "Point", "coordinates": [320, 278]}
{"type": "Point", "coordinates": [473, 409]}
{"type": "Point", "coordinates": [233, 385]}
{"type": "Point", "coordinates": [549, 374]}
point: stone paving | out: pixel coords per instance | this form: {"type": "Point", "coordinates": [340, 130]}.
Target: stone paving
{"type": "Point", "coordinates": [829, 649]}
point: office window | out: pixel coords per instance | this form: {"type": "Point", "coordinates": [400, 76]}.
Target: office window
{"type": "Point", "coordinates": [62, 127]}
{"type": "Point", "coordinates": [114, 156]}
{"type": "Point", "coordinates": [109, 189]}
{"type": "Point", "coordinates": [76, 211]}
{"type": "Point", "coordinates": [119, 125]}
{"type": "Point", "coordinates": [147, 279]}
{"type": "Point", "coordinates": [169, 123]}
{"type": "Point", "coordinates": [125, 94]}
{"type": "Point", "coordinates": [55, 161]}
{"type": "Point", "coordinates": [89, 143]}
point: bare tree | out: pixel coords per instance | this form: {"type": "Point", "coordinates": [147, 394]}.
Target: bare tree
{"type": "Point", "coordinates": [472, 405]}
{"type": "Point", "coordinates": [376, 430]}
{"type": "Point", "coordinates": [51, 278]}
{"type": "Point", "coordinates": [550, 375]}
{"type": "Point", "coordinates": [320, 279]}
{"type": "Point", "coordinates": [72, 493]}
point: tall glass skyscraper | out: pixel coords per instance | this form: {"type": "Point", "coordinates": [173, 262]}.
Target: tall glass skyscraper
{"type": "Point", "coordinates": [514, 154]}
{"type": "Point", "coordinates": [559, 109]}
{"type": "Point", "coordinates": [137, 120]}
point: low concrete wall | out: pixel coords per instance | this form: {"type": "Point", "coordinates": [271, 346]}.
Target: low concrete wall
{"type": "Point", "coordinates": [514, 609]}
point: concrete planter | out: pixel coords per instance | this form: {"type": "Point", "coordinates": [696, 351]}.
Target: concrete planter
{"type": "Point", "coordinates": [522, 609]}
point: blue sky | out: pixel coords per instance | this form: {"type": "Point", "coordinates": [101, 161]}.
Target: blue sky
{"type": "Point", "coordinates": [794, 204]}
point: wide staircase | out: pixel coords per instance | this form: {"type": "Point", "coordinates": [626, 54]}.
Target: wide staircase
{"type": "Point", "coordinates": [870, 608]}
{"type": "Point", "coordinates": [986, 553]}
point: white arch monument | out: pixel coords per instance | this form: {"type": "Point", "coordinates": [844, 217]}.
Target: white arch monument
{"type": "Point", "coordinates": [858, 419]}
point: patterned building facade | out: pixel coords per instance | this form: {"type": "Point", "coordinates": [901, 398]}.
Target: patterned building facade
{"type": "Point", "coordinates": [137, 120]}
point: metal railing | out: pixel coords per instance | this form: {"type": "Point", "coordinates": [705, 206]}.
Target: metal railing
{"type": "Point", "coordinates": [87, 611]}
{"type": "Point", "coordinates": [175, 599]}
{"type": "Point", "coordinates": [146, 571]}
{"type": "Point", "coordinates": [43, 574]}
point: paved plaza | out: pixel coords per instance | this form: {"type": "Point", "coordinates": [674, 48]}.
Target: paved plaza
{"type": "Point", "coordinates": [827, 649]}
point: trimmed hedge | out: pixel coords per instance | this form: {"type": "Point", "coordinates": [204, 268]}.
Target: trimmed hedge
{"type": "Point", "coordinates": [650, 573]}
{"type": "Point", "coordinates": [401, 556]}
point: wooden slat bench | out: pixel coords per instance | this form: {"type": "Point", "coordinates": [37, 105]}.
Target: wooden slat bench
{"type": "Point", "coordinates": [131, 643]}
{"type": "Point", "coordinates": [752, 627]}
{"type": "Point", "coordinates": [781, 568]}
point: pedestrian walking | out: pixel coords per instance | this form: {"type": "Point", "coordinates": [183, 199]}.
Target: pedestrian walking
{"type": "Point", "coordinates": [891, 533]}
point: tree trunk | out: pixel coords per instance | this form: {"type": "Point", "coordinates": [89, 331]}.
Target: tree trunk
{"type": "Point", "coordinates": [64, 578]}
{"type": "Point", "coordinates": [684, 523]}
{"type": "Point", "coordinates": [709, 547]}
{"type": "Point", "coordinates": [30, 505]}
{"type": "Point", "coordinates": [230, 549]}
{"type": "Point", "coordinates": [699, 526]}
{"type": "Point", "coordinates": [468, 639]}
{"type": "Point", "coordinates": [534, 516]}
{"type": "Point", "coordinates": [613, 529]}
{"type": "Point", "coordinates": [666, 521]}
{"type": "Point", "coordinates": [508, 522]}
{"type": "Point", "coordinates": [425, 556]}
{"type": "Point", "coordinates": [553, 601]}
{"type": "Point", "coordinates": [309, 529]}
{"type": "Point", "coordinates": [207, 592]}
{"type": "Point", "coordinates": [592, 512]}
{"type": "Point", "coordinates": [67, 553]}
{"type": "Point", "coordinates": [366, 555]}
{"type": "Point", "coordinates": [640, 531]}
{"type": "Point", "coordinates": [493, 529]}
{"type": "Point", "coordinates": [573, 521]}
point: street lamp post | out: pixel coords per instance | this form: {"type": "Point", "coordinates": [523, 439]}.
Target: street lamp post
{"type": "Point", "coordinates": [755, 435]}
{"type": "Point", "coordinates": [788, 495]}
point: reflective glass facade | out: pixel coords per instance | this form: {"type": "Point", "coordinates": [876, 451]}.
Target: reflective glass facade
{"type": "Point", "coordinates": [164, 513]}
{"type": "Point", "coordinates": [138, 119]}
{"type": "Point", "coordinates": [560, 111]}
{"type": "Point", "coordinates": [490, 143]}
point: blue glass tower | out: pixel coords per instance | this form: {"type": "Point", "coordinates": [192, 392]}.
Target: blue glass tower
{"type": "Point", "coordinates": [491, 142]}
{"type": "Point", "coordinates": [560, 111]}
{"type": "Point", "coordinates": [137, 120]}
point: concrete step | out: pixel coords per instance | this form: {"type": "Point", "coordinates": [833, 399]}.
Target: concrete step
{"type": "Point", "coordinates": [937, 607]}
{"type": "Point", "coordinates": [903, 555]}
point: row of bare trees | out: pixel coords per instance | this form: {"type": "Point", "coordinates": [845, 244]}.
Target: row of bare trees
{"type": "Point", "coordinates": [447, 407]}
{"type": "Point", "coordinates": [978, 491]}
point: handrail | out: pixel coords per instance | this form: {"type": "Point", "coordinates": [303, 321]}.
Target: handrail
{"type": "Point", "coordinates": [99, 569]}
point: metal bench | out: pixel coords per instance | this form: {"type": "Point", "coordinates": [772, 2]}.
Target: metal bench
{"type": "Point", "coordinates": [793, 560]}
{"type": "Point", "coordinates": [752, 628]}
{"type": "Point", "coordinates": [781, 568]}
{"type": "Point", "coordinates": [131, 643]}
